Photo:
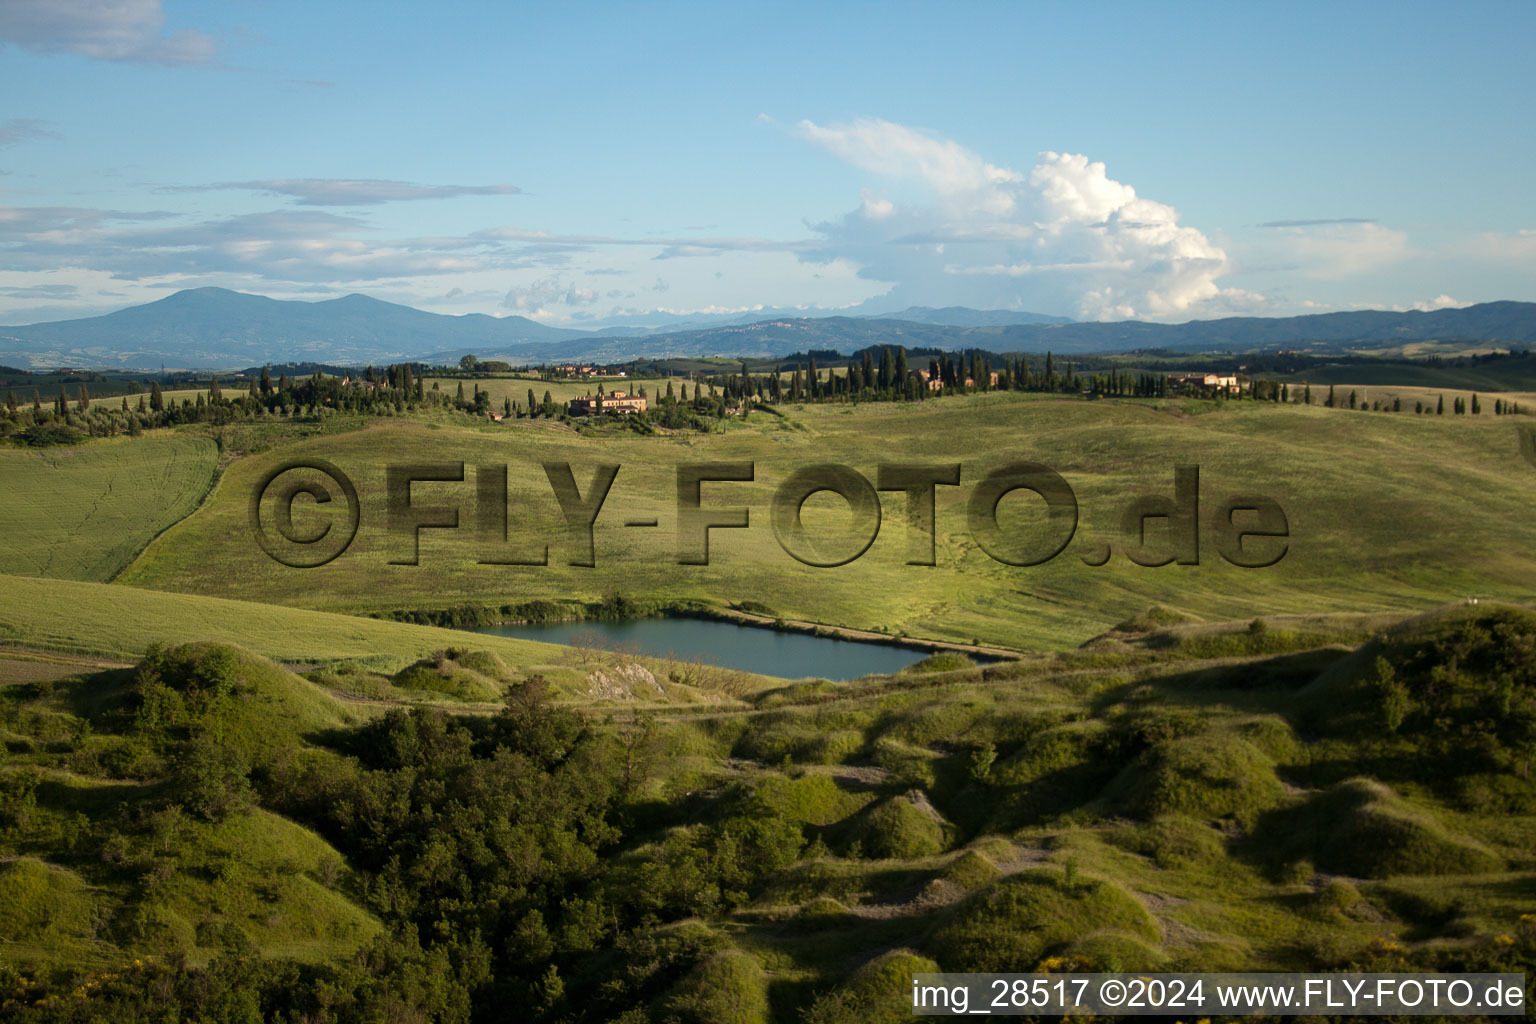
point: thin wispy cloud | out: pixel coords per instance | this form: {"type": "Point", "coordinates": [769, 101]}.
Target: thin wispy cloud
{"type": "Point", "coordinates": [349, 191]}
{"type": "Point", "coordinates": [25, 129]}
{"type": "Point", "coordinates": [1320, 222]}
{"type": "Point", "coordinates": [289, 246]}
{"type": "Point", "coordinates": [114, 30]}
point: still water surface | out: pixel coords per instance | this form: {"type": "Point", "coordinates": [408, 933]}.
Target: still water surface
{"type": "Point", "coordinates": [748, 648]}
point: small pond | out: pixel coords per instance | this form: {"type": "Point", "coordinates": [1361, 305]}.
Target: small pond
{"type": "Point", "coordinates": [747, 648]}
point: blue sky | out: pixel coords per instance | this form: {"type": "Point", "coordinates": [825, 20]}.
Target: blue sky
{"type": "Point", "coordinates": [585, 164]}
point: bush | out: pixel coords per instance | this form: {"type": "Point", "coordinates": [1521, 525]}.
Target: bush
{"type": "Point", "coordinates": [211, 779]}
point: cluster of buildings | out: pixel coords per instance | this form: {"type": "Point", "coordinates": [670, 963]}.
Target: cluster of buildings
{"type": "Point", "coordinates": [933, 382]}
{"type": "Point", "coordinates": [1213, 381]}
{"type": "Point", "coordinates": [584, 370]}
{"type": "Point", "coordinates": [613, 401]}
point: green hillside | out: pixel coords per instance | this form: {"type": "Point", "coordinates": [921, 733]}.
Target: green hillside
{"type": "Point", "coordinates": [82, 513]}
{"type": "Point", "coordinates": [1386, 512]}
{"type": "Point", "coordinates": [1159, 802]}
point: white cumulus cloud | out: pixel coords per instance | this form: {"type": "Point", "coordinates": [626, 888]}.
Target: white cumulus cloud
{"type": "Point", "coordinates": [1063, 237]}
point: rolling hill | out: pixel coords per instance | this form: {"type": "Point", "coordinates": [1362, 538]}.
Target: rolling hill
{"type": "Point", "coordinates": [216, 328]}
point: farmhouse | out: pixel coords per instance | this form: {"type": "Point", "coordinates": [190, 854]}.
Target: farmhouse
{"type": "Point", "coordinates": [614, 401]}
{"type": "Point", "coordinates": [1205, 380]}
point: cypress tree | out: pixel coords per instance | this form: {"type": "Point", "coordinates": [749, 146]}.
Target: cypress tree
{"type": "Point", "coordinates": [255, 392]}
{"type": "Point", "coordinates": [266, 381]}
{"type": "Point", "coordinates": [37, 402]}
{"type": "Point", "coordinates": [1329, 402]}
{"type": "Point", "coordinates": [156, 398]}
{"type": "Point", "coordinates": [1476, 406]}
{"type": "Point", "coordinates": [1440, 407]}
{"type": "Point", "coordinates": [548, 400]}
{"type": "Point", "coordinates": [215, 394]}
{"type": "Point", "coordinates": [531, 402]}
{"type": "Point", "coordinates": [10, 401]}
{"type": "Point", "coordinates": [84, 402]}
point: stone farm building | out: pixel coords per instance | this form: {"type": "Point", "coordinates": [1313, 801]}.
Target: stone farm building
{"type": "Point", "coordinates": [1215, 381]}
{"type": "Point", "coordinates": [614, 401]}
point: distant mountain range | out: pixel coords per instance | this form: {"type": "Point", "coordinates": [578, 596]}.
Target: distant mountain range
{"type": "Point", "coordinates": [217, 328]}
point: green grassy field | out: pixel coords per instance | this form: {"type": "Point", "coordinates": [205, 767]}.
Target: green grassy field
{"type": "Point", "coordinates": [1386, 512]}
{"type": "Point", "coordinates": [516, 388]}
{"type": "Point", "coordinates": [82, 513]}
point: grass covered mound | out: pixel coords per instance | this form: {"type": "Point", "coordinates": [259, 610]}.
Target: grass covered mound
{"type": "Point", "coordinates": [1154, 618]}
{"type": "Point", "coordinates": [1362, 828]}
{"type": "Point", "coordinates": [878, 992]}
{"type": "Point", "coordinates": [1206, 776]}
{"type": "Point", "coordinates": [1020, 920]}
{"type": "Point", "coordinates": [903, 827]}
{"type": "Point", "coordinates": [254, 705]}
{"type": "Point", "coordinates": [46, 913]}
{"type": "Point", "coordinates": [943, 661]}
{"type": "Point", "coordinates": [456, 672]}
{"type": "Point", "coordinates": [728, 988]}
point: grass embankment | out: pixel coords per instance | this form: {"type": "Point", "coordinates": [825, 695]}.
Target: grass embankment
{"type": "Point", "coordinates": [362, 656]}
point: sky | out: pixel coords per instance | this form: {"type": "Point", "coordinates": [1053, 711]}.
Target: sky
{"type": "Point", "coordinates": [595, 164]}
